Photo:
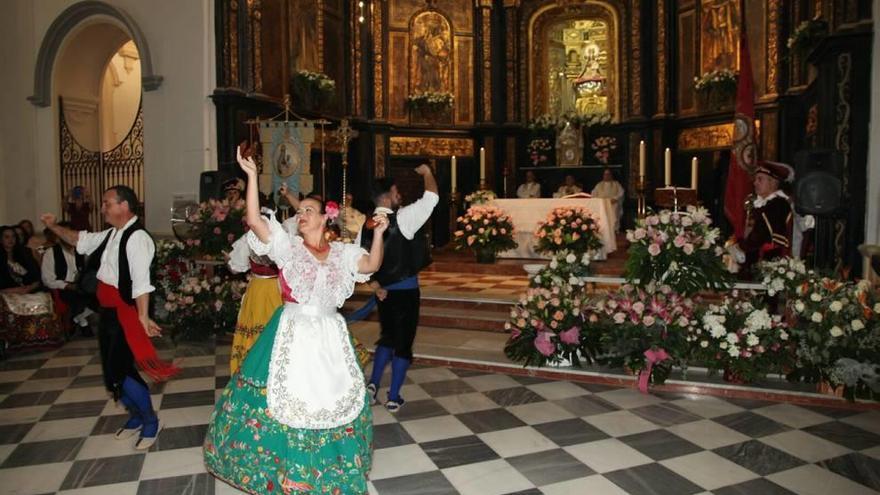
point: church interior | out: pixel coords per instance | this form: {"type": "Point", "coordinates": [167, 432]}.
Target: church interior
{"type": "Point", "coordinates": [646, 258]}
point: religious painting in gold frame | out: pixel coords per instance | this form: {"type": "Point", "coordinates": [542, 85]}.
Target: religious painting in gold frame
{"type": "Point", "coordinates": [719, 35]}
{"type": "Point", "coordinates": [431, 51]}
{"type": "Point", "coordinates": [574, 62]}
{"type": "Point", "coordinates": [303, 42]}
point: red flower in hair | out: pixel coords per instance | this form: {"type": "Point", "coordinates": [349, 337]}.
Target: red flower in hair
{"type": "Point", "coordinates": [331, 209]}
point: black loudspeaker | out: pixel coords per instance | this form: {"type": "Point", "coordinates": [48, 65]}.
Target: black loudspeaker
{"type": "Point", "coordinates": [211, 184]}
{"type": "Point", "coordinates": [818, 186]}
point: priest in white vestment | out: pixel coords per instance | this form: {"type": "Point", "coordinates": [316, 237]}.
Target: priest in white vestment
{"type": "Point", "coordinates": [611, 189]}
{"type": "Point", "coordinates": [530, 189]}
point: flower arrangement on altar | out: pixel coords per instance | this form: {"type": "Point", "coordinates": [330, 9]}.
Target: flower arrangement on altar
{"type": "Point", "coordinates": [679, 249]}
{"type": "Point", "coordinates": [200, 306]}
{"type": "Point", "coordinates": [564, 268]}
{"type": "Point", "coordinates": [568, 229]}
{"type": "Point", "coordinates": [644, 330]}
{"type": "Point", "coordinates": [603, 146]}
{"type": "Point", "coordinates": [837, 327]}
{"type": "Point", "coordinates": [742, 339]}
{"type": "Point", "coordinates": [721, 80]}
{"type": "Point", "coordinates": [216, 225]}
{"type": "Point", "coordinates": [480, 197]}
{"type": "Point", "coordinates": [546, 327]}
{"type": "Point", "coordinates": [430, 102]}
{"type": "Point", "coordinates": [539, 150]}
{"type": "Point", "coordinates": [486, 230]}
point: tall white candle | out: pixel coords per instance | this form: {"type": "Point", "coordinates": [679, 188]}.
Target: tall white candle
{"type": "Point", "coordinates": [482, 164]}
{"type": "Point", "coordinates": [642, 158]}
{"type": "Point", "coordinates": [695, 166]}
{"type": "Point", "coordinates": [454, 166]}
{"type": "Point", "coordinates": [667, 169]}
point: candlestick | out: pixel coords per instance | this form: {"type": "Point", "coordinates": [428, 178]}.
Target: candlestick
{"type": "Point", "coordinates": [694, 171]}
{"type": "Point", "coordinates": [642, 159]}
{"type": "Point", "coordinates": [453, 166]}
{"type": "Point", "coordinates": [667, 169]}
{"type": "Point", "coordinates": [482, 165]}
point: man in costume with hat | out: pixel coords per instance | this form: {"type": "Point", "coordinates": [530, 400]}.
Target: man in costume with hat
{"type": "Point", "coordinates": [769, 220]}
{"type": "Point", "coordinates": [121, 256]}
{"type": "Point", "coordinates": [233, 189]}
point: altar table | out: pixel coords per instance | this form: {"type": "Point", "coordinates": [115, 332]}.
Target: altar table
{"type": "Point", "coordinates": [527, 213]}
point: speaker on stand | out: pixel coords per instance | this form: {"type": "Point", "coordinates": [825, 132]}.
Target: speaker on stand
{"type": "Point", "coordinates": [818, 191]}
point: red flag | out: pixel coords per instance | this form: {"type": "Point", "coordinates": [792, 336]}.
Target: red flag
{"type": "Point", "coordinates": [743, 155]}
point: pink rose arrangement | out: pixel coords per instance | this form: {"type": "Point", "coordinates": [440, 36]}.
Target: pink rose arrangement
{"type": "Point", "coordinates": [680, 249]}
{"type": "Point", "coordinates": [546, 327]}
{"type": "Point", "coordinates": [214, 223]}
{"type": "Point", "coordinates": [571, 229]}
{"type": "Point", "coordinates": [486, 228]}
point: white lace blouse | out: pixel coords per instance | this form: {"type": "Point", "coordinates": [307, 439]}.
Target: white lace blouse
{"type": "Point", "coordinates": [311, 281]}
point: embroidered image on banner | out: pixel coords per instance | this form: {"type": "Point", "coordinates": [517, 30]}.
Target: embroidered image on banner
{"type": "Point", "coordinates": [287, 150]}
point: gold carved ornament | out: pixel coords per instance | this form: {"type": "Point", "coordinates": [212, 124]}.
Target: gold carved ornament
{"type": "Point", "coordinates": [439, 147]}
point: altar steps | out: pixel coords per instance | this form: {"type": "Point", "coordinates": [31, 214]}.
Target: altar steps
{"type": "Point", "coordinates": [482, 315]}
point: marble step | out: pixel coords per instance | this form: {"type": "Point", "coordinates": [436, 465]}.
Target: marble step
{"type": "Point", "coordinates": [484, 315]}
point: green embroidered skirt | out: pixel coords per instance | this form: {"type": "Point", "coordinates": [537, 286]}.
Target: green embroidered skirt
{"type": "Point", "coordinates": [253, 452]}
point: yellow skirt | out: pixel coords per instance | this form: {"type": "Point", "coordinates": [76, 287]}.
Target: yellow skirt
{"type": "Point", "coordinates": [262, 298]}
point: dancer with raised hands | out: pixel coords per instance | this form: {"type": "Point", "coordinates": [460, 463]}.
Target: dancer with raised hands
{"type": "Point", "coordinates": [296, 416]}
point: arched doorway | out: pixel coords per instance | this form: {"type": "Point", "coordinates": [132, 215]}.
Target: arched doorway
{"type": "Point", "coordinates": [97, 82]}
{"type": "Point", "coordinates": [113, 28]}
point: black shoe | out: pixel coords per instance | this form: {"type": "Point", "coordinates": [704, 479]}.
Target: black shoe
{"type": "Point", "coordinates": [86, 332]}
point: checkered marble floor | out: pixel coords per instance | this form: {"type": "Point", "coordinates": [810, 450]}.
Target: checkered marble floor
{"type": "Point", "coordinates": [461, 432]}
{"type": "Point", "coordinates": [474, 284]}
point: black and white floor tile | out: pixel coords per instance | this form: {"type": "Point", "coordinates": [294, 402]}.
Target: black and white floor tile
{"type": "Point", "coordinates": [461, 432]}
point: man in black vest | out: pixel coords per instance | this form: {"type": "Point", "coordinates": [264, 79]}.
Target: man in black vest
{"type": "Point", "coordinates": [396, 283]}
{"type": "Point", "coordinates": [124, 253]}
{"type": "Point", "coordinates": [60, 269]}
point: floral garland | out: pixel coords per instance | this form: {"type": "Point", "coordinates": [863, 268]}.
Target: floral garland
{"type": "Point", "coordinates": [486, 228]}
{"type": "Point", "coordinates": [548, 122]}
{"type": "Point", "coordinates": [679, 249]}
{"type": "Point", "coordinates": [200, 306]}
{"type": "Point", "coordinates": [568, 229]}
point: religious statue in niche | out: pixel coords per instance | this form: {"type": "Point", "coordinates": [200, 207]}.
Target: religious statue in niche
{"type": "Point", "coordinates": [720, 35]}
{"type": "Point", "coordinates": [303, 23]}
{"type": "Point", "coordinates": [579, 63]}
{"type": "Point", "coordinates": [569, 146]}
{"type": "Point", "coordinates": [431, 54]}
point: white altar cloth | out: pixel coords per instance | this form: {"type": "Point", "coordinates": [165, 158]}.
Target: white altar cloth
{"type": "Point", "coordinates": [527, 213]}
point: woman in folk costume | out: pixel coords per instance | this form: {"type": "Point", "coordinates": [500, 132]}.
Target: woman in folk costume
{"type": "Point", "coordinates": [261, 299]}
{"type": "Point", "coordinates": [296, 416]}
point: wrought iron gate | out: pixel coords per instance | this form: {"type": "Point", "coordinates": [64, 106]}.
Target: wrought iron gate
{"type": "Point", "coordinates": [96, 170]}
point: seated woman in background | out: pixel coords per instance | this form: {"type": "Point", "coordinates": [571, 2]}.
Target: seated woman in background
{"type": "Point", "coordinates": [27, 317]}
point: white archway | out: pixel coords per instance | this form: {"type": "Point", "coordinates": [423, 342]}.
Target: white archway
{"type": "Point", "coordinates": [69, 21]}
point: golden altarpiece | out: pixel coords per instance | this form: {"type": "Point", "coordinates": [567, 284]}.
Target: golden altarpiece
{"type": "Point", "coordinates": [428, 79]}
